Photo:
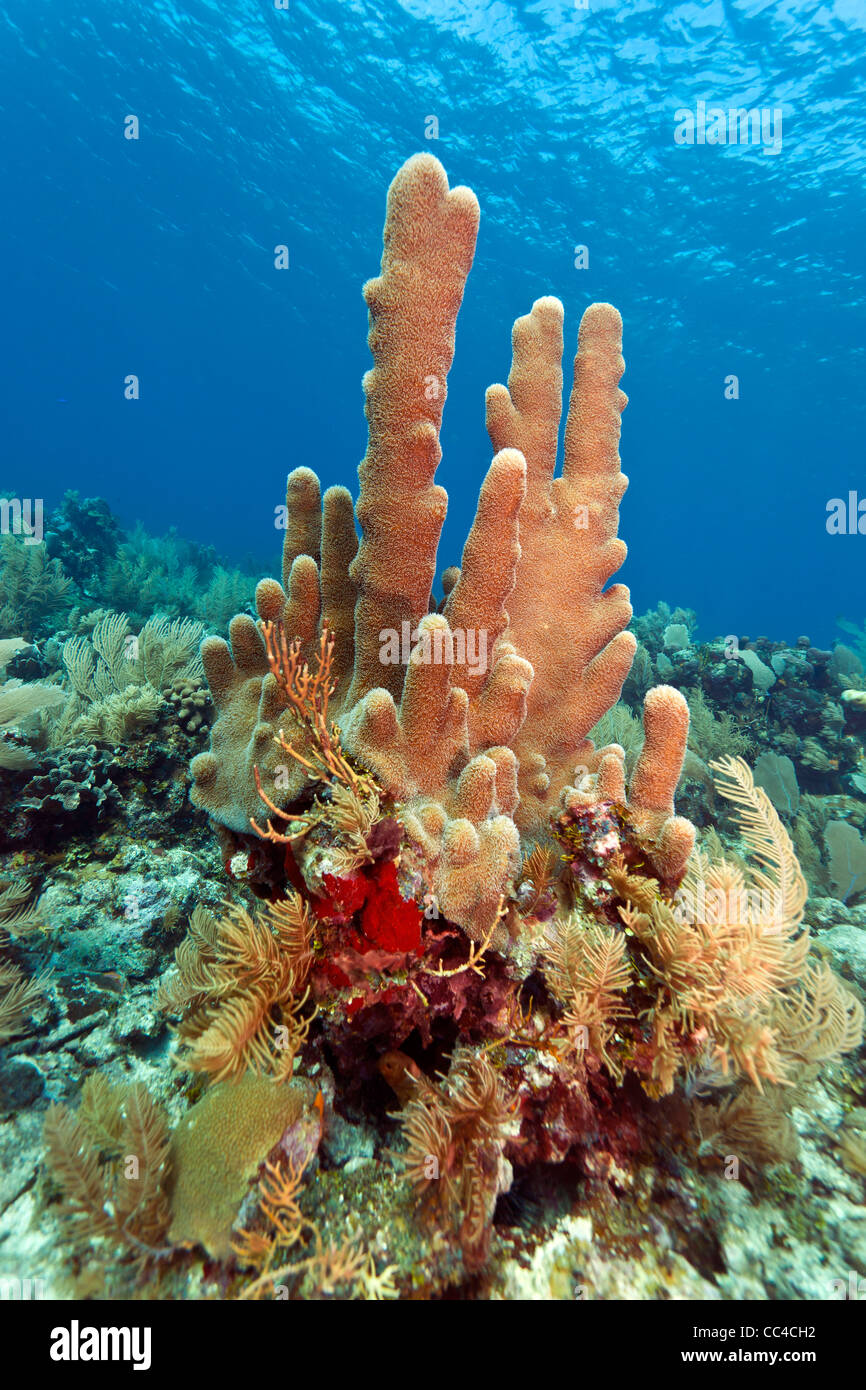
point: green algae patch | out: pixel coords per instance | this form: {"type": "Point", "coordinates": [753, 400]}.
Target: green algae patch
{"type": "Point", "coordinates": [216, 1152]}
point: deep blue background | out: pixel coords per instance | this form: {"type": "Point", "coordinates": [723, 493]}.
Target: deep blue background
{"type": "Point", "coordinates": [260, 127]}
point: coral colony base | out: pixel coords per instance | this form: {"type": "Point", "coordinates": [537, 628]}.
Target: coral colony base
{"type": "Point", "coordinates": [470, 964]}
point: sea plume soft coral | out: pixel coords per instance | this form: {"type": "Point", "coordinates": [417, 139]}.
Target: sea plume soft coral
{"type": "Point", "coordinates": [31, 585]}
{"type": "Point", "coordinates": [17, 702]}
{"type": "Point", "coordinates": [731, 960]}
{"type": "Point", "coordinates": [455, 1139]}
{"type": "Point", "coordinates": [587, 970]}
{"type": "Point", "coordinates": [239, 987]}
{"type": "Point", "coordinates": [121, 681]}
{"type": "Point", "coordinates": [110, 1163]}
{"type": "Point", "coordinates": [18, 995]}
{"type": "Point", "coordinates": [749, 1125]}
{"type": "Point", "coordinates": [717, 981]}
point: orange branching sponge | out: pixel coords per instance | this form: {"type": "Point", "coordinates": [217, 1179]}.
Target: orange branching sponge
{"type": "Point", "coordinates": [667, 839]}
{"type": "Point", "coordinates": [666, 726]}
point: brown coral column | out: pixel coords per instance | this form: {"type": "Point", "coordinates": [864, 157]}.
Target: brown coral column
{"type": "Point", "coordinates": [477, 601]}
{"type": "Point", "coordinates": [563, 620]}
{"type": "Point", "coordinates": [429, 244]}
{"type": "Point", "coordinates": [654, 781]}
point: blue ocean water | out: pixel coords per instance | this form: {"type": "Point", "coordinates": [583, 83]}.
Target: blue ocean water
{"type": "Point", "coordinates": [262, 126]}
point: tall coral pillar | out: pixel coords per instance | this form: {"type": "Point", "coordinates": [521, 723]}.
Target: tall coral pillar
{"type": "Point", "coordinates": [563, 619]}
{"type": "Point", "coordinates": [429, 240]}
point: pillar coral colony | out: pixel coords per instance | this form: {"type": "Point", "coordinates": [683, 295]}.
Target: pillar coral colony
{"type": "Point", "coordinates": [737, 126]}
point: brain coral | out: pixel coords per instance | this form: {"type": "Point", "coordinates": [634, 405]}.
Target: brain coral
{"type": "Point", "coordinates": [218, 1147]}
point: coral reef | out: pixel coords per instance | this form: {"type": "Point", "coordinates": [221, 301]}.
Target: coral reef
{"type": "Point", "coordinates": [462, 1007]}
{"type": "Point", "coordinates": [83, 536]}
{"type": "Point", "coordinates": [634, 957]}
